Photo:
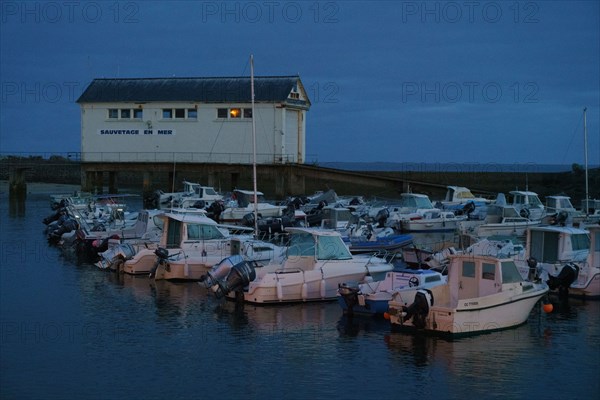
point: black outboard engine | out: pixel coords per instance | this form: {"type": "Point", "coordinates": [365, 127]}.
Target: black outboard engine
{"type": "Point", "coordinates": [349, 292]}
{"type": "Point", "coordinates": [54, 217]}
{"type": "Point", "coordinates": [533, 271]}
{"type": "Point", "coordinates": [220, 271]}
{"type": "Point", "coordinates": [381, 217]}
{"type": "Point", "coordinates": [162, 255]}
{"type": "Point", "coordinates": [567, 275]}
{"type": "Point", "coordinates": [468, 208]}
{"type": "Point", "coordinates": [230, 275]}
{"type": "Point", "coordinates": [419, 309]}
{"type": "Point", "coordinates": [67, 224]}
{"type": "Point", "coordinates": [560, 218]}
{"type": "Point", "coordinates": [248, 220]}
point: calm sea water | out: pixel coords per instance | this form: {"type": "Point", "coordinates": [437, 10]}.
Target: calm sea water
{"type": "Point", "coordinates": [73, 331]}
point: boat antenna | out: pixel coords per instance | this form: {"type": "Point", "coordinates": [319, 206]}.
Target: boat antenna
{"type": "Point", "coordinates": [253, 145]}
{"type": "Point", "coordinates": [587, 202]}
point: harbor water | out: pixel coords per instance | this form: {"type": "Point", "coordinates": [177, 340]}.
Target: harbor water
{"type": "Point", "coordinates": [70, 330]}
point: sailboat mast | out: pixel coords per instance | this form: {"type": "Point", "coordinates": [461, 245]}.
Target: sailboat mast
{"type": "Point", "coordinates": [587, 205]}
{"type": "Point", "coordinates": [253, 145]}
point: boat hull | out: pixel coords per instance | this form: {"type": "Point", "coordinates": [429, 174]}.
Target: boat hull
{"type": "Point", "coordinates": [311, 285]}
{"type": "Point", "coordinates": [471, 316]}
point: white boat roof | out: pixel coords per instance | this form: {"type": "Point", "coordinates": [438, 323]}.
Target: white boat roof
{"type": "Point", "coordinates": [249, 192]}
{"type": "Point", "coordinates": [413, 195]}
{"type": "Point", "coordinates": [559, 229]}
{"type": "Point", "coordinates": [523, 192]}
{"type": "Point", "coordinates": [313, 231]}
{"type": "Point", "coordinates": [191, 218]}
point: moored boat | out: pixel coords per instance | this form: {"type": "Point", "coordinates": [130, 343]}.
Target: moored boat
{"type": "Point", "coordinates": [482, 294]}
{"type": "Point", "coordinates": [316, 262]}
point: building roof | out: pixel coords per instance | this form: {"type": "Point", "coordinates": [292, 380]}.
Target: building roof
{"type": "Point", "coordinates": [205, 90]}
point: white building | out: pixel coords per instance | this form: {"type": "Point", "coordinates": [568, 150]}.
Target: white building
{"type": "Point", "coordinates": [199, 120]}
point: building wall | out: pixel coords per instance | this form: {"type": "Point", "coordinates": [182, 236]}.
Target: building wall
{"type": "Point", "coordinates": [205, 138]}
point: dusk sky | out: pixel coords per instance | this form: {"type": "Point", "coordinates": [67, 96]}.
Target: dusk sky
{"type": "Point", "coordinates": [398, 81]}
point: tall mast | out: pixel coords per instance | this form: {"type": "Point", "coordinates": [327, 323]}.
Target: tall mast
{"type": "Point", "coordinates": [587, 205]}
{"type": "Point", "coordinates": [253, 145]}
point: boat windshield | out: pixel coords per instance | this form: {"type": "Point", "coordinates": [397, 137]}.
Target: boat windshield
{"type": "Point", "coordinates": [301, 244]}
{"type": "Point", "coordinates": [203, 232]}
{"type": "Point", "coordinates": [580, 241]}
{"type": "Point", "coordinates": [416, 202]}
{"type": "Point", "coordinates": [510, 273]}
{"type": "Point", "coordinates": [332, 248]}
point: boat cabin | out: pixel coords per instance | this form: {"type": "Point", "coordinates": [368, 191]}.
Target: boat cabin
{"type": "Point", "coordinates": [180, 230]}
{"type": "Point", "coordinates": [246, 197]}
{"type": "Point", "coordinates": [470, 277]}
{"type": "Point", "coordinates": [337, 218]}
{"type": "Point", "coordinates": [555, 245]}
{"type": "Point", "coordinates": [414, 203]}
{"type": "Point", "coordinates": [528, 204]}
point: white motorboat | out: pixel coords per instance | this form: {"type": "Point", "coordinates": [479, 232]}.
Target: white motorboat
{"type": "Point", "coordinates": [192, 192]}
{"type": "Point", "coordinates": [501, 220]}
{"type": "Point", "coordinates": [458, 196]}
{"type": "Point", "coordinates": [372, 297]}
{"type": "Point", "coordinates": [567, 257]}
{"type": "Point", "coordinates": [242, 204]}
{"type": "Point", "coordinates": [317, 261]}
{"type": "Point", "coordinates": [433, 221]}
{"type": "Point", "coordinates": [482, 294]}
{"type": "Point", "coordinates": [189, 246]}
{"type": "Point", "coordinates": [527, 204]}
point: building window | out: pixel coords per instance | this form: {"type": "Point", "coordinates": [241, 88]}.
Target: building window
{"type": "Point", "coordinates": [222, 113]}
{"type": "Point", "coordinates": [125, 114]}
{"type": "Point", "coordinates": [235, 113]}
{"type": "Point", "coordinates": [192, 113]}
{"type": "Point", "coordinates": [247, 113]}
{"type": "Point", "coordinates": [180, 113]}
{"type": "Point", "coordinates": [167, 113]}
{"type": "Point", "coordinates": [113, 113]}
{"type": "Point", "coordinates": [137, 113]}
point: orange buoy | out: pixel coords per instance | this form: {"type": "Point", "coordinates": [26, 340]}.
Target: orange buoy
{"type": "Point", "coordinates": [548, 307]}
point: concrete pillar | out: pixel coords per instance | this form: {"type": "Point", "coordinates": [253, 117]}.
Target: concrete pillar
{"type": "Point", "coordinates": [112, 182]}
{"type": "Point", "coordinates": [98, 182]}
{"type": "Point", "coordinates": [147, 182]}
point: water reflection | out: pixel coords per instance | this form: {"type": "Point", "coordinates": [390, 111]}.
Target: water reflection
{"type": "Point", "coordinates": [16, 204]}
{"type": "Point", "coordinates": [278, 318]}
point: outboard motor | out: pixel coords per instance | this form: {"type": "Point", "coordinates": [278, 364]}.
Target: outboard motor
{"type": "Point", "coordinates": [560, 218]}
{"type": "Point", "coordinates": [533, 271]}
{"type": "Point", "coordinates": [419, 309]}
{"type": "Point", "coordinates": [468, 208]}
{"type": "Point", "coordinates": [382, 216]}
{"type": "Point", "coordinates": [230, 275]}
{"type": "Point", "coordinates": [54, 217]}
{"type": "Point", "coordinates": [349, 292]}
{"type": "Point", "coordinates": [221, 270]}
{"type": "Point", "coordinates": [248, 220]}
{"type": "Point", "coordinates": [240, 275]}
{"type": "Point", "coordinates": [567, 275]}
{"type": "Point", "coordinates": [162, 255]}
{"type": "Point", "coordinates": [67, 225]}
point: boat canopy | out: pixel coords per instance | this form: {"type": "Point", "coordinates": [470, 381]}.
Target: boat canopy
{"type": "Point", "coordinates": [321, 247]}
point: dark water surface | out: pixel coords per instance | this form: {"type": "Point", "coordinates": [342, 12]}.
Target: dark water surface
{"type": "Point", "coordinates": [73, 331]}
